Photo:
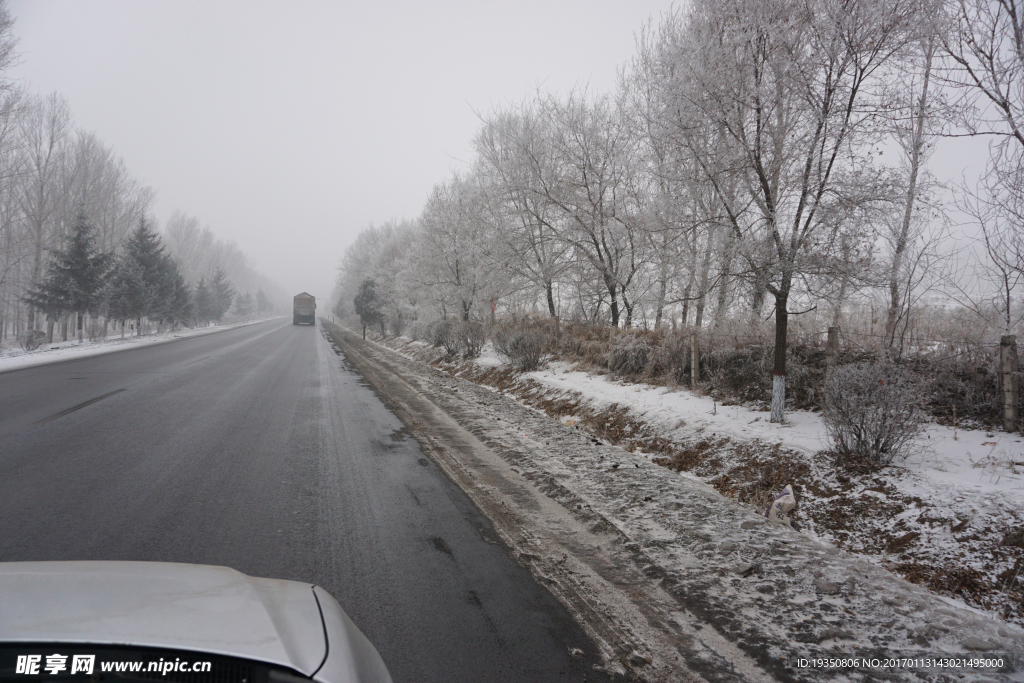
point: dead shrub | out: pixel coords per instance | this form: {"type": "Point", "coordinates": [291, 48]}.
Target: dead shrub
{"type": "Point", "coordinates": [964, 385]}
{"type": "Point", "coordinates": [470, 337]}
{"type": "Point", "coordinates": [744, 373]}
{"type": "Point", "coordinates": [671, 359]}
{"type": "Point", "coordinates": [630, 356]}
{"type": "Point", "coordinates": [521, 348]}
{"type": "Point", "coordinates": [445, 334]}
{"type": "Point", "coordinates": [872, 413]}
{"type": "Point", "coordinates": [31, 340]}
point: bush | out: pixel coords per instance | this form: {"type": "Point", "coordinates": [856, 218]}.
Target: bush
{"type": "Point", "coordinates": [471, 338]}
{"type": "Point", "coordinates": [872, 412]}
{"type": "Point", "coordinates": [440, 334]}
{"type": "Point", "coordinates": [31, 340]}
{"type": "Point", "coordinates": [94, 330]}
{"type": "Point", "coordinates": [671, 359]}
{"type": "Point", "coordinates": [630, 356]}
{"type": "Point", "coordinates": [522, 349]}
{"type": "Point", "coordinates": [742, 374]}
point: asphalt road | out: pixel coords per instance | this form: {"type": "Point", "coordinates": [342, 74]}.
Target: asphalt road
{"type": "Point", "coordinates": [259, 449]}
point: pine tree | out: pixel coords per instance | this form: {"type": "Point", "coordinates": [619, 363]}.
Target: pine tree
{"type": "Point", "coordinates": [244, 305]}
{"type": "Point", "coordinates": [127, 294]}
{"type": "Point", "coordinates": [180, 310]}
{"type": "Point", "coordinates": [263, 304]}
{"type": "Point", "coordinates": [75, 277]}
{"type": "Point", "coordinates": [221, 295]}
{"type": "Point", "coordinates": [144, 250]}
{"type": "Point", "coordinates": [368, 305]}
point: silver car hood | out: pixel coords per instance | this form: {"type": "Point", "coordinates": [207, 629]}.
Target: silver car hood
{"type": "Point", "coordinates": [190, 607]}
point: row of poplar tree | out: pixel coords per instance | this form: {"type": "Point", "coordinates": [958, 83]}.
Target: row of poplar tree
{"type": "Point", "coordinates": [143, 282]}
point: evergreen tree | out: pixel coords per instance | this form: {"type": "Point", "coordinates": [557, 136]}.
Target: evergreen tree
{"type": "Point", "coordinates": [244, 305]}
{"type": "Point", "coordinates": [368, 304]}
{"type": "Point", "coordinates": [263, 304]}
{"type": "Point", "coordinates": [202, 306]}
{"type": "Point", "coordinates": [75, 277]}
{"type": "Point", "coordinates": [180, 310]}
{"type": "Point", "coordinates": [127, 295]}
{"type": "Point", "coordinates": [144, 250]}
{"type": "Point", "coordinates": [221, 295]}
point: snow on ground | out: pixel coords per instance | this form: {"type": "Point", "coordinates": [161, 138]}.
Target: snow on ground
{"type": "Point", "coordinates": [773, 594]}
{"type": "Point", "coordinates": [16, 358]}
{"type": "Point", "coordinates": [950, 517]}
{"type": "Point", "coordinates": [974, 462]}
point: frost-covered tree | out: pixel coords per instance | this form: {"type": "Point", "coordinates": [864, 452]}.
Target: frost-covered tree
{"type": "Point", "coordinates": [263, 304]}
{"type": "Point", "coordinates": [597, 195]}
{"type": "Point", "coordinates": [518, 164]}
{"type": "Point", "coordinates": [455, 252]}
{"type": "Point", "coordinates": [985, 46]}
{"type": "Point", "coordinates": [244, 305]}
{"type": "Point", "coordinates": [788, 87]}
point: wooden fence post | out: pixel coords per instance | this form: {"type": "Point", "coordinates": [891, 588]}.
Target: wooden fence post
{"type": "Point", "coordinates": [694, 360]}
{"type": "Point", "coordinates": [1011, 390]}
{"type": "Point", "coordinates": [832, 347]}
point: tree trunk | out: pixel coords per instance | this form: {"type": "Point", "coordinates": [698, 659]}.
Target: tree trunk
{"type": "Point", "coordinates": [705, 273]}
{"type": "Point", "coordinates": [549, 291]}
{"type": "Point", "coordinates": [723, 282]}
{"type": "Point", "coordinates": [614, 304]}
{"type": "Point", "coordinates": [628, 305]}
{"type": "Point", "coordinates": [916, 149]}
{"type": "Point", "coordinates": [662, 293]}
{"type": "Point", "coordinates": [49, 330]}
{"type": "Point", "coordinates": [779, 368]}
{"type": "Point", "coordinates": [80, 317]}
{"type": "Point", "coordinates": [686, 302]}
{"type": "Point", "coordinates": [694, 360]}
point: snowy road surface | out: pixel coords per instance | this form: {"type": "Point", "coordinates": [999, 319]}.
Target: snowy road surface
{"type": "Point", "coordinates": [258, 449]}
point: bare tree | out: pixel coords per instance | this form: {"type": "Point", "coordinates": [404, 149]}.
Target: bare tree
{"type": "Point", "coordinates": [519, 169]}
{"type": "Point", "coordinates": [455, 252]}
{"type": "Point", "coordinates": [598, 194]}
{"type": "Point", "coordinates": [914, 127]}
{"type": "Point", "coordinates": [986, 49]}
{"type": "Point", "coordinates": [45, 135]}
{"type": "Point", "coordinates": [788, 85]}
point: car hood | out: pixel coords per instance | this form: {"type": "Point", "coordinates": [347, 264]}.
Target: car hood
{"type": "Point", "coordinates": [158, 604]}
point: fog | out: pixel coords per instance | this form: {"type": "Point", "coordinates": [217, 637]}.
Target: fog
{"type": "Point", "coordinates": [289, 127]}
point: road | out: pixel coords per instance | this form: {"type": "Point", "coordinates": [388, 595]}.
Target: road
{"type": "Point", "coordinates": [258, 448]}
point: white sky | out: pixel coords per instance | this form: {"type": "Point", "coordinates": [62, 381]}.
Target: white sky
{"type": "Point", "coordinates": [291, 126]}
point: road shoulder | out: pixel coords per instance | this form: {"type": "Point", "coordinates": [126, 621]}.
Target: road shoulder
{"type": "Point", "coordinates": [698, 589]}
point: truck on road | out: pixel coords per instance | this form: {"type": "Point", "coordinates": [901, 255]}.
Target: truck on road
{"type": "Point", "coordinates": [304, 310]}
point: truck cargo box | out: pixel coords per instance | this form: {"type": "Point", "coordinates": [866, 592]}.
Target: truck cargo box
{"type": "Point", "coordinates": [304, 310]}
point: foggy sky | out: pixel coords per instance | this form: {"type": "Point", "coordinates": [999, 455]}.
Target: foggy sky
{"type": "Point", "coordinates": [291, 126]}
